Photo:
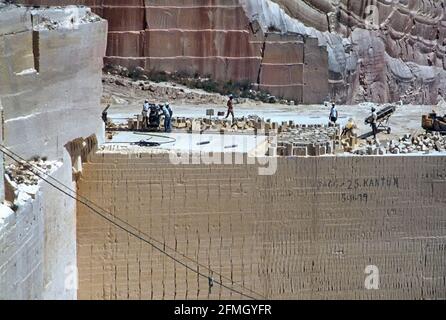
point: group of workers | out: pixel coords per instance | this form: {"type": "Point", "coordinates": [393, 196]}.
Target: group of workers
{"type": "Point", "coordinates": [334, 115]}
{"type": "Point", "coordinates": [151, 114]}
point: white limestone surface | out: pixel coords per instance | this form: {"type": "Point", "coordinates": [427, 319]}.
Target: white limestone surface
{"type": "Point", "coordinates": [38, 243]}
{"type": "Point", "coordinates": [50, 78]}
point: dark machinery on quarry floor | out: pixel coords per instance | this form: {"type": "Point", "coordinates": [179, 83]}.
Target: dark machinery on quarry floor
{"type": "Point", "coordinates": [433, 122]}
{"type": "Point", "coordinates": [383, 119]}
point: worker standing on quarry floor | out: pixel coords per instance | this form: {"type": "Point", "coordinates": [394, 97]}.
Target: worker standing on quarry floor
{"type": "Point", "coordinates": [333, 113]}
{"type": "Point", "coordinates": [373, 122]}
{"type": "Point", "coordinates": [170, 111]}
{"type": "Point", "coordinates": [230, 106]}
{"type": "Point", "coordinates": [145, 113]}
{"type": "Point", "coordinates": [166, 114]}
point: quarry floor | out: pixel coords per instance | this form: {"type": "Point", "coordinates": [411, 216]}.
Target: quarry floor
{"type": "Point", "coordinates": [184, 142]}
{"type": "Point", "coordinates": [407, 118]}
{"type": "Point", "coordinates": [126, 101]}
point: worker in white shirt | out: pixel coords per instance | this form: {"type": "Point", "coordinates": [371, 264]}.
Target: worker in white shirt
{"type": "Point", "coordinates": [333, 113]}
{"type": "Point", "coordinates": [145, 113]}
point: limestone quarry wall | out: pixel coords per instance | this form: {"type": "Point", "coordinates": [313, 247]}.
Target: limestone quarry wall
{"type": "Point", "coordinates": [50, 89]}
{"type": "Point", "coordinates": [50, 81]}
{"type": "Point", "coordinates": [380, 51]}
{"type": "Point", "coordinates": [216, 38]}
{"type": "Point", "coordinates": [309, 231]}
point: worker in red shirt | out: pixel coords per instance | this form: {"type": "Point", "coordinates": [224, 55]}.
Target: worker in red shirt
{"type": "Point", "coordinates": [230, 107]}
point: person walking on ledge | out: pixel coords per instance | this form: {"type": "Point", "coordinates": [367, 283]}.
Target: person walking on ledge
{"type": "Point", "coordinates": [230, 106]}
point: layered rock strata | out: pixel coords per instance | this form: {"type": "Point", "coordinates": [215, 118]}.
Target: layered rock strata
{"type": "Point", "coordinates": [400, 46]}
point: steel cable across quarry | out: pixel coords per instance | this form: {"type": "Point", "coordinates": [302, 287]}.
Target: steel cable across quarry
{"type": "Point", "coordinates": [137, 233]}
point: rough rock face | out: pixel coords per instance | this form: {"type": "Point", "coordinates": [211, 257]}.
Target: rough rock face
{"type": "Point", "coordinates": [377, 50]}
{"type": "Point", "coordinates": [400, 46]}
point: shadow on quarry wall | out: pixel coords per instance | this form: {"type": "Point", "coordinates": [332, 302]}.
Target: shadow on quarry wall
{"type": "Point", "coordinates": [316, 229]}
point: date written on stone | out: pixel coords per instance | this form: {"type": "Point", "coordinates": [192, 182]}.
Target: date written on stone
{"type": "Point", "coordinates": [353, 197]}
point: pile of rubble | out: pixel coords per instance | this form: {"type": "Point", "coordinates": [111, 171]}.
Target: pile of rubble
{"type": "Point", "coordinates": [112, 126]}
{"type": "Point", "coordinates": [307, 140]}
{"type": "Point", "coordinates": [21, 184]}
{"type": "Point", "coordinates": [62, 17]}
{"type": "Point", "coordinates": [217, 125]}
{"type": "Point", "coordinates": [164, 91]}
{"type": "Point", "coordinates": [177, 86]}
{"type": "Point", "coordinates": [193, 125]}
{"type": "Point", "coordinates": [251, 124]}
{"type": "Point", "coordinates": [426, 142]}
{"type": "Point", "coordinates": [22, 172]}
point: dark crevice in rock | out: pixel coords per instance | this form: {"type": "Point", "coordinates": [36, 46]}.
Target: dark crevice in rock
{"type": "Point", "coordinates": [263, 56]}
{"type": "Point", "coordinates": [36, 51]}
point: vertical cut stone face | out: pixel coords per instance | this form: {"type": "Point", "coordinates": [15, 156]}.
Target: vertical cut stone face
{"type": "Point", "coordinates": [306, 232]}
{"type": "Point", "coordinates": [50, 83]}
{"type": "Point", "coordinates": [209, 37]}
{"type": "Point", "coordinates": [213, 38]}
{"type": "Point", "coordinates": [282, 66]}
{"type": "Point", "coordinates": [315, 72]}
{"type": "Point", "coordinates": [295, 67]}
{"type": "Point", "coordinates": [411, 32]}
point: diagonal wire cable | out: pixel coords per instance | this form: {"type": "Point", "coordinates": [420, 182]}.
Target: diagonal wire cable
{"type": "Point", "coordinates": [136, 232]}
